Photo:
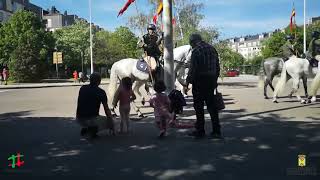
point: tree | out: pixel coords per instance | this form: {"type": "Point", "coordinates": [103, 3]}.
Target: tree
{"type": "Point", "coordinates": [74, 42]}
{"type": "Point", "coordinates": [24, 46]}
{"type": "Point", "coordinates": [228, 58]}
{"type": "Point", "coordinates": [113, 46]}
{"type": "Point", "coordinates": [272, 46]}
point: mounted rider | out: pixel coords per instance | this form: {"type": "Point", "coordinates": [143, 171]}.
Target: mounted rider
{"type": "Point", "coordinates": [314, 48]}
{"type": "Point", "coordinates": [288, 49]}
{"type": "Point", "coordinates": [150, 45]}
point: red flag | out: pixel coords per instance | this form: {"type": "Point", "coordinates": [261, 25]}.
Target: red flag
{"type": "Point", "coordinates": [155, 19]}
{"type": "Point", "coordinates": [293, 15]}
{"type": "Point", "coordinates": [125, 7]}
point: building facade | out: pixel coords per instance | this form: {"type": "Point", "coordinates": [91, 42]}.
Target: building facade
{"type": "Point", "coordinates": [248, 46]}
{"type": "Point", "coordinates": [8, 7]}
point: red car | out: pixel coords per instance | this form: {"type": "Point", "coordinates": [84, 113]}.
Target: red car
{"type": "Point", "coordinates": [233, 73]}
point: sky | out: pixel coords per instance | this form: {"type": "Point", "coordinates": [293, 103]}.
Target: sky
{"type": "Point", "coordinates": [233, 18]}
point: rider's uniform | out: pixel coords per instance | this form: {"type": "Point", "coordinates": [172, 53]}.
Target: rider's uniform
{"type": "Point", "coordinates": [287, 50]}
{"type": "Point", "coordinates": [314, 48]}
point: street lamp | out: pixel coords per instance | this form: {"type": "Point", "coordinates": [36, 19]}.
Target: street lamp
{"type": "Point", "coordinates": [91, 56]}
{"type": "Point", "coordinates": [304, 28]}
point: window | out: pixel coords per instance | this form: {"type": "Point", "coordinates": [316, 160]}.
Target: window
{"type": "Point", "coordinates": [1, 4]}
{"type": "Point", "coordinates": [49, 25]}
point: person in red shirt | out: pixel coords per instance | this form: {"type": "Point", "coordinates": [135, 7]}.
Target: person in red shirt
{"type": "Point", "coordinates": [75, 76]}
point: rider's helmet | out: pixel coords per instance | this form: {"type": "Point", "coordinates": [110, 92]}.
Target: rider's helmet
{"type": "Point", "coordinates": [315, 34]}
{"type": "Point", "coordinates": [289, 37]}
{"type": "Point", "coordinates": [151, 27]}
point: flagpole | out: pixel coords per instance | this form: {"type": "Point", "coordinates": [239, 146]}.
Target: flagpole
{"type": "Point", "coordinates": [91, 55]}
{"type": "Point", "coordinates": [304, 29]}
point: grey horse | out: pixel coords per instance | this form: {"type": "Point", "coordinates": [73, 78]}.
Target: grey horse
{"type": "Point", "coordinates": [271, 67]}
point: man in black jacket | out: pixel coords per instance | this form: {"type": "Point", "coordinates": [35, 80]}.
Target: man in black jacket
{"type": "Point", "coordinates": [203, 75]}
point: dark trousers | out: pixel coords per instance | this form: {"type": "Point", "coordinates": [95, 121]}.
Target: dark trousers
{"type": "Point", "coordinates": [204, 92]}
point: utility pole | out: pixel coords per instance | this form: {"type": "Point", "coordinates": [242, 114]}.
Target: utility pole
{"type": "Point", "coordinates": [91, 55]}
{"type": "Point", "coordinates": [304, 28]}
{"type": "Point", "coordinates": [169, 75]}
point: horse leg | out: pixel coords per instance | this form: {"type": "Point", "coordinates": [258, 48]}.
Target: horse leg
{"type": "Point", "coordinates": [136, 90]}
{"type": "Point", "coordinates": [305, 85]}
{"type": "Point", "coordinates": [295, 88]}
{"type": "Point", "coordinates": [265, 89]}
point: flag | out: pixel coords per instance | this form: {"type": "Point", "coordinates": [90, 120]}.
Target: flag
{"type": "Point", "coordinates": [125, 7]}
{"type": "Point", "coordinates": [292, 19]}
{"type": "Point", "coordinates": [159, 11]}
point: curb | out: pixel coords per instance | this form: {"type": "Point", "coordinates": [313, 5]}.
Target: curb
{"type": "Point", "coordinates": [44, 86]}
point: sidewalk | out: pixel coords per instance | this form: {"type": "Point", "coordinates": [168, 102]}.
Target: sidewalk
{"type": "Point", "coordinates": [66, 83]}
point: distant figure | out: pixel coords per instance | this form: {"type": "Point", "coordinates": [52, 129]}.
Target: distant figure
{"type": "Point", "coordinates": [5, 75]}
{"type": "Point", "coordinates": [75, 76]}
{"type": "Point", "coordinates": [161, 104]}
{"type": "Point", "coordinates": [1, 78]}
{"type": "Point", "coordinates": [125, 95]}
{"type": "Point", "coordinates": [89, 100]}
{"type": "Point", "coordinates": [81, 77]}
{"type": "Point", "coordinates": [203, 75]}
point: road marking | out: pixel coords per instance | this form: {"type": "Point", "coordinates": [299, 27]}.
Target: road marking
{"type": "Point", "coordinates": [4, 91]}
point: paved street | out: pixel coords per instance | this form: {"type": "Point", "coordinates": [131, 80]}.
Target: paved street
{"type": "Point", "coordinates": [262, 139]}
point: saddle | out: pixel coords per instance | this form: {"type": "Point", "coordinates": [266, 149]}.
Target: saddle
{"type": "Point", "coordinates": [142, 64]}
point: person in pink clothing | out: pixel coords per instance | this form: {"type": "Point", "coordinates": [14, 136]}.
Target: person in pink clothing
{"type": "Point", "coordinates": [5, 75]}
{"type": "Point", "coordinates": [161, 104]}
{"type": "Point", "coordinates": [124, 96]}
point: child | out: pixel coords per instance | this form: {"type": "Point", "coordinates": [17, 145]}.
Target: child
{"type": "Point", "coordinates": [161, 104]}
{"type": "Point", "coordinates": [125, 95]}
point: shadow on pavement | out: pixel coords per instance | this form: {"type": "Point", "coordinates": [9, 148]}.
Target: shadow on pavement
{"type": "Point", "coordinates": [265, 145]}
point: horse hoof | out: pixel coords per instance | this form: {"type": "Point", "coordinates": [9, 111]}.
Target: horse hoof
{"type": "Point", "coordinates": [274, 101]}
{"type": "Point", "coordinates": [266, 97]}
{"type": "Point", "coordinates": [303, 101]}
{"type": "Point", "coordinates": [314, 99]}
{"type": "Point", "coordinates": [114, 115]}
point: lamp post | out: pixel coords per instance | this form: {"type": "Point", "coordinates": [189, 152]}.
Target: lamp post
{"type": "Point", "coordinates": [304, 28]}
{"type": "Point", "coordinates": [91, 55]}
{"type": "Point", "coordinates": [169, 75]}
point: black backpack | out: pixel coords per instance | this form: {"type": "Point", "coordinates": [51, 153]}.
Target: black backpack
{"type": "Point", "coordinates": [177, 101]}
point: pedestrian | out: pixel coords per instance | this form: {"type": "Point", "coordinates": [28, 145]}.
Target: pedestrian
{"type": "Point", "coordinates": [124, 96]}
{"type": "Point", "coordinates": [81, 77]}
{"type": "Point", "coordinates": [89, 100]}
{"type": "Point", "coordinates": [5, 75]}
{"type": "Point", "coordinates": [203, 75]}
{"type": "Point", "coordinates": [1, 78]}
{"type": "Point", "coordinates": [161, 104]}
{"type": "Point", "coordinates": [75, 76]}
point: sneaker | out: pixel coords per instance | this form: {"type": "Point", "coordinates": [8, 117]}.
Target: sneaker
{"type": "Point", "coordinates": [197, 134]}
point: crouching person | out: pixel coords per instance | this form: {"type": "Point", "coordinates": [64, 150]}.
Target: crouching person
{"type": "Point", "coordinates": [89, 100]}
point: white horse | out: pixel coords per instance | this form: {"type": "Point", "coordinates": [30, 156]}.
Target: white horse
{"type": "Point", "coordinates": [127, 68]}
{"type": "Point", "coordinates": [315, 85]}
{"type": "Point", "coordinates": [296, 68]}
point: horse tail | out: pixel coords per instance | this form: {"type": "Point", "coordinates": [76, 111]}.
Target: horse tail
{"type": "Point", "coordinates": [315, 85]}
{"type": "Point", "coordinates": [261, 75]}
{"type": "Point", "coordinates": [282, 81]}
{"type": "Point", "coordinates": [113, 83]}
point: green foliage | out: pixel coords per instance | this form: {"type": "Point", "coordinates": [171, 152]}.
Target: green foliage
{"type": "Point", "coordinates": [24, 46]}
{"type": "Point", "coordinates": [272, 46]}
{"type": "Point", "coordinates": [228, 58]}
{"type": "Point", "coordinates": [74, 42]}
{"type": "Point", "coordinates": [113, 46]}
{"type": "Point", "coordinates": [253, 65]}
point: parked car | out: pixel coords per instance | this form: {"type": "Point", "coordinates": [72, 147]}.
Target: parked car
{"type": "Point", "coordinates": [233, 73]}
